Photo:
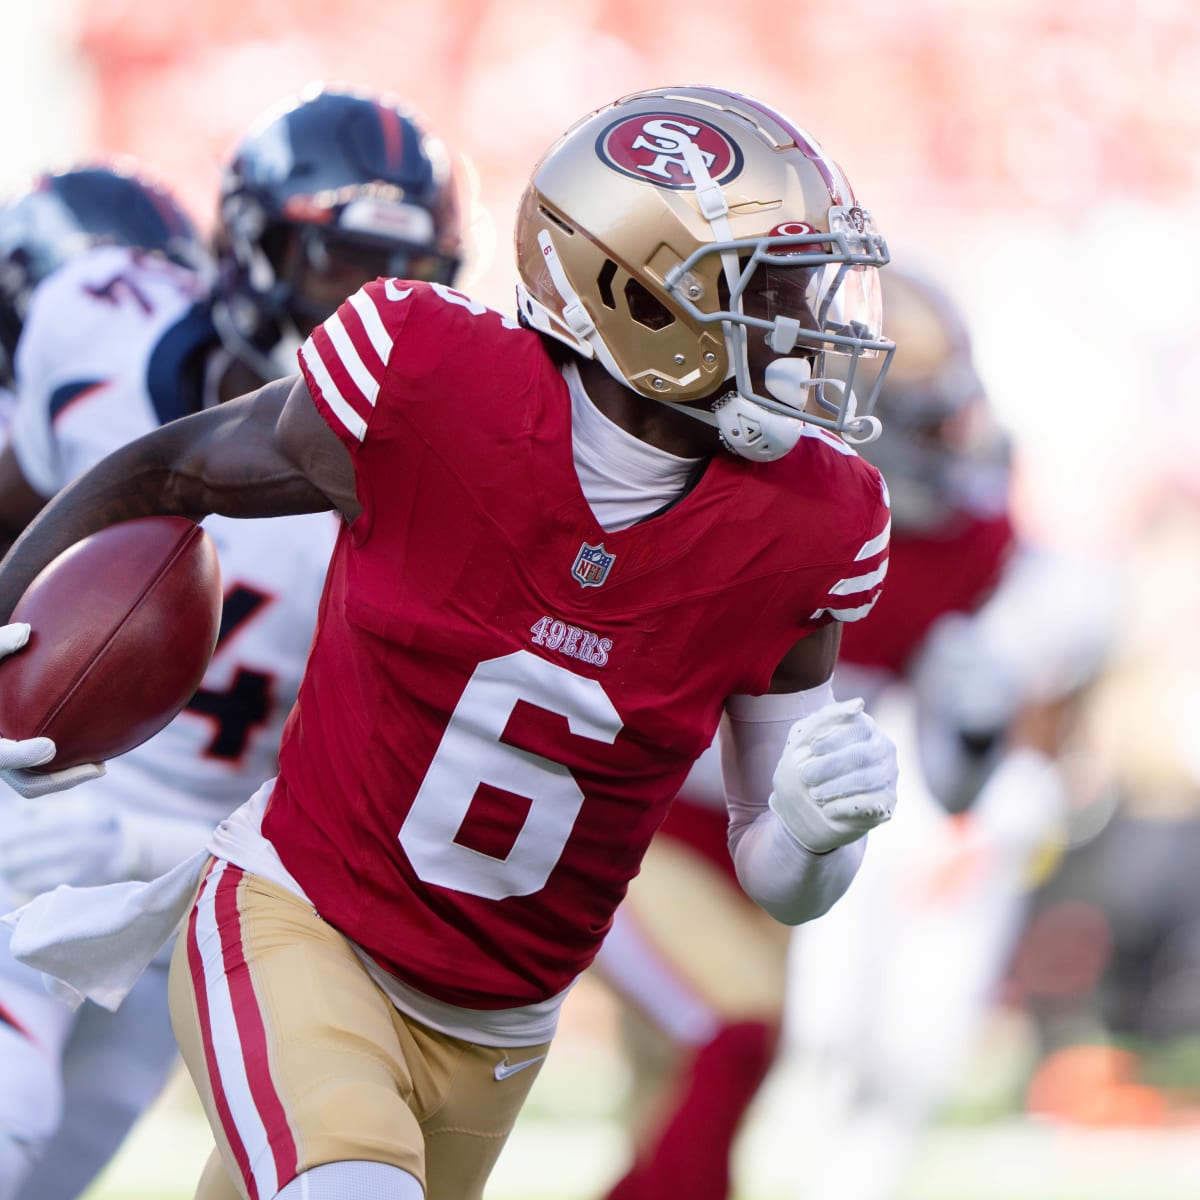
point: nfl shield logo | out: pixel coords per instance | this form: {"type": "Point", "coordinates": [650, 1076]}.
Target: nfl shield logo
{"type": "Point", "coordinates": [592, 565]}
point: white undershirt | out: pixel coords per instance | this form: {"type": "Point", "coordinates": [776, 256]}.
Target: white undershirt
{"type": "Point", "coordinates": [623, 479]}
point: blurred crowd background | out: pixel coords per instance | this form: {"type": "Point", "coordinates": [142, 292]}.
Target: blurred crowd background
{"type": "Point", "coordinates": [1042, 158]}
{"type": "Point", "coordinates": [1041, 155]}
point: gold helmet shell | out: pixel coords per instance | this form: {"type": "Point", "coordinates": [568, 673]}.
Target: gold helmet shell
{"type": "Point", "coordinates": [646, 225]}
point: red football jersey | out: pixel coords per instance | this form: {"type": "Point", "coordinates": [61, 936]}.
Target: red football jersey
{"type": "Point", "coordinates": [929, 575]}
{"type": "Point", "coordinates": [491, 668]}
{"type": "Point", "coordinates": [952, 569]}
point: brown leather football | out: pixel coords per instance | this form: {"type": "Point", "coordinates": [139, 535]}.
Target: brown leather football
{"type": "Point", "coordinates": [123, 625]}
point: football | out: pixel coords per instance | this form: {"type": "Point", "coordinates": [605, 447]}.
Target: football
{"type": "Point", "coordinates": [122, 627]}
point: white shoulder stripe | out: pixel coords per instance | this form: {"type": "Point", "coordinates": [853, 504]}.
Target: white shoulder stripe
{"type": "Point", "coordinates": [344, 413]}
{"type": "Point", "coordinates": [846, 614]}
{"type": "Point", "coordinates": [877, 543]}
{"type": "Point", "coordinates": [368, 313]}
{"type": "Point", "coordinates": [859, 583]}
{"type": "Point", "coordinates": [349, 357]}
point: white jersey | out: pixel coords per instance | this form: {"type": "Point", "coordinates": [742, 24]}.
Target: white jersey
{"type": "Point", "coordinates": [99, 359]}
{"type": "Point", "coordinates": [98, 365]}
{"type": "Point", "coordinates": [100, 362]}
{"type": "Point", "coordinates": [8, 400]}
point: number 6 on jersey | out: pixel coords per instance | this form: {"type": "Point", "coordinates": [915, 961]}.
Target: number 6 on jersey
{"type": "Point", "coordinates": [471, 753]}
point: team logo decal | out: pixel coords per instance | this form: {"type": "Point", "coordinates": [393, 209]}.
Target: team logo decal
{"type": "Point", "coordinates": [592, 565]}
{"type": "Point", "coordinates": [651, 147]}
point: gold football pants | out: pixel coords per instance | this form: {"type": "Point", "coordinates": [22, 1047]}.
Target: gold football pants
{"type": "Point", "coordinates": [300, 1059]}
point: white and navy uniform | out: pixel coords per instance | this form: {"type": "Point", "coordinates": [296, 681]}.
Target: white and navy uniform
{"type": "Point", "coordinates": [100, 360]}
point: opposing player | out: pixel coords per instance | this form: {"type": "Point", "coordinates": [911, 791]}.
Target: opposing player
{"type": "Point", "coordinates": [701, 974]}
{"type": "Point", "coordinates": [59, 217]}
{"type": "Point", "coordinates": [551, 580]}
{"type": "Point", "coordinates": [64, 213]}
{"type": "Point", "coordinates": [327, 192]}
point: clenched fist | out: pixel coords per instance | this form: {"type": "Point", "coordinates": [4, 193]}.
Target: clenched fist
{"type": "Point", "coordinates": [836, 778]}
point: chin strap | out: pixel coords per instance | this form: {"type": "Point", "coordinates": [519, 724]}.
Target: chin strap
{"type": "Point", "coordinates": [746, 429]}
{"type": "Point", "coordinates": [858, 431]}
{"type": "Point", "coordinates": [749, 429]}
{"type": "Point", "coordinates": [760, 434]}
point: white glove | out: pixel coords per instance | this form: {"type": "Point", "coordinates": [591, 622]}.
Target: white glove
{"type": "Point", "coordinates": [78, 840]}
{"type": "Point", "coordinates": [16, 757]}
{"type": "Point", "coordinates": [836, 778]}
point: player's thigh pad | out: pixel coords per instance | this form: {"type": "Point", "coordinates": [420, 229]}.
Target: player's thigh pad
{"type": "Point", "coordinates": [301, 1060]}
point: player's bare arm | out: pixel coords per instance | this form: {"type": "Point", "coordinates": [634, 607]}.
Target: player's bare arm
{"type": "Point", "coordinates": [810, 661]}
{"type": "Point", "coordinates": [251, 457]}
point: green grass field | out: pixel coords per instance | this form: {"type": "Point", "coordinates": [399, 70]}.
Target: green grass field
{"type": "Point", "coordinates": [569, 1144]}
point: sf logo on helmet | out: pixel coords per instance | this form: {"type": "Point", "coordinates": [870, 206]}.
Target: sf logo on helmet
{"type": "Point", "coordinates": [652, 148]}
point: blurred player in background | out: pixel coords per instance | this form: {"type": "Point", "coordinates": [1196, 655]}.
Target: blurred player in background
{"type": "Point", "coordinates": [703, 978]}
{"type": "Point", "coordinates": [63, 214]}
{"type": "Point", "coordinates": [324, 194]}
{"type": "Point", "coordinates": [569, 545]}
{"type": "Point", "coordinates": [979, 665]}
{"type": "Point", "coordinates": [59, 218]}
{"type": "Point", "coordinates": [1109, 966]}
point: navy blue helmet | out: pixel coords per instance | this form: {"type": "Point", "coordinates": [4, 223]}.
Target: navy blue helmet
{"type": "Point", "coordinates": [324, 194]}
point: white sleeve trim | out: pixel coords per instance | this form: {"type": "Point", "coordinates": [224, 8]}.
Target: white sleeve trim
{"type": "Point", "coordinates": [349, 357]}
{"type": "Point", "coordinates": [373, 326]}
{"type": "Point", "coordinates": [353, 423]}
{"type": "Point", "coordinates": [876, 544]}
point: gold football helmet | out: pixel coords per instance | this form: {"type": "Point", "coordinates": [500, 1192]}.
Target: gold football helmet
{"type": "Point", "coordinates": [681, 236]}
{"type": "Point", "coordinates": [943, 451]}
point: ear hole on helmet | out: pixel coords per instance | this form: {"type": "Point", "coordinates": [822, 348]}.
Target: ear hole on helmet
{"type": "Point", "coordinates": [723, 292]}
{"type": "Point", "coordinates": [555, 219]}
{"type": "Point", "coordinates": [604, 282]}
{"type": "Point", "coordinates": [645, 308]}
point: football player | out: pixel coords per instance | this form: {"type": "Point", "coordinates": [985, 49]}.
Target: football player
{"type": "Point", "coordinates": [891, 994]}
{"type": "Point", "coordinates": [329, 191]}
{"type": "Point", "coordinates": [701, 976]}
{"type": "Point", "coordinates": [61, 215]}
{"type": "Point", "coordinates": [569, 543]}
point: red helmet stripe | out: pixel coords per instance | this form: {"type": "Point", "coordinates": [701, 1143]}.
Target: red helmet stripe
{"type": "Point", "coordinates": [393, 135]}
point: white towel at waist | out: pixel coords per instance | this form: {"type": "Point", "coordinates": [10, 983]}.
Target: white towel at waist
{"type": "Point", "coordinates": [94, 942]}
